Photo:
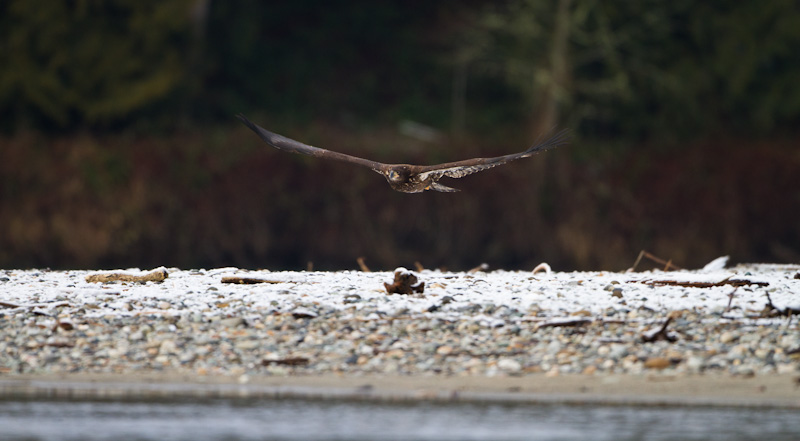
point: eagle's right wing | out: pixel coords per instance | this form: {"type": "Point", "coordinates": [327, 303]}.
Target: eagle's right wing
{"type": "Point", "coordinates": [290, 145]}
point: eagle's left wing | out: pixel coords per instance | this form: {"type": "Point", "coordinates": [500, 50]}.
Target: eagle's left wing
{"type": "Point", "coordinates": [466, 167]}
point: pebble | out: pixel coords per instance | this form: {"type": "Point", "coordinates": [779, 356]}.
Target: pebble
{"type": "Point", "coordinates": [657, 363]}
{"type": "Point", "coordinates": [231, 322]}
{"type": "Point", "coordinates": [509, 365]}
{"type": "Point", "coordinates": [727, 337]}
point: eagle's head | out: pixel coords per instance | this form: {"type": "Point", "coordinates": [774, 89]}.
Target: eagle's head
{"type": "Point", "coordinates": [398, 175]}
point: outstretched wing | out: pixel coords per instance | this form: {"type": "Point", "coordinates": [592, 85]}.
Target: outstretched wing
{"type": "Point", "coordinates": [290, 145]}
{"type": "Point", "coordinates": [460, 169]}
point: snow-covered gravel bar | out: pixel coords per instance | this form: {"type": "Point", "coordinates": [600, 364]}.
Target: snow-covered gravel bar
{"type": "Point", "coordinates": [487, 324]}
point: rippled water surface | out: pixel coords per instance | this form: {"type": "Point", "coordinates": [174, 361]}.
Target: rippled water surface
{"type": "Point", "coordinates": [239, 420]}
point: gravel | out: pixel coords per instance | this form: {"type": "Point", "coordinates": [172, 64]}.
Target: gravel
{"type": "Point", "coordinates": [481, 324]}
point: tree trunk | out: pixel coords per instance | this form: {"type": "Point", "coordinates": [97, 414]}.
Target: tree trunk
{"type": "Point", "coordinates": [548, 114]}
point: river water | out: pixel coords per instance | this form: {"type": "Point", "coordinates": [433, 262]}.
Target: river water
{"type": "Point", "coordinates": [298, 419]}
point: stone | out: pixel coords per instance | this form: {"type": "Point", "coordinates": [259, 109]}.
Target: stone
{"type": "Point", "coordinates": [657, 363]}
{"type": "Point", "coordinates": [509, 365]}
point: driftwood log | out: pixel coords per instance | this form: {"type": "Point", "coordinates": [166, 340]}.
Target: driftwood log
{"type": "Point", "coordinates": [405, 282]}
{"type": "Point", "coordinates": [157, 275]}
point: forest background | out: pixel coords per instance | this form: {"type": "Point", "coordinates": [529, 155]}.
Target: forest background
{"type": "Point", "coordinates": [119, 147]}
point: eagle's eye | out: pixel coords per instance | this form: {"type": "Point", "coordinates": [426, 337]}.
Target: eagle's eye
{"type": "Point", "coordinates": [394, 176]}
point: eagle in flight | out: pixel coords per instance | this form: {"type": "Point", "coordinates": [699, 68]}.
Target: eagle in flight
{"type": "Point", "coordinates": [405, 177]}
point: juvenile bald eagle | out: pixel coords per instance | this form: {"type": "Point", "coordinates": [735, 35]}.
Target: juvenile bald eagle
{"type": "Point", "coordinates": [405, 177]}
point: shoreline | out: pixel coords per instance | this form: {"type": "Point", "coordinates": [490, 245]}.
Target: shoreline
{"type": "Point", "coordinates": [713, 337]}
{"type": "Point", "coordinates": [776, 391]}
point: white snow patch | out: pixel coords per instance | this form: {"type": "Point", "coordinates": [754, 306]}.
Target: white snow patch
{"type": "Point", "coordinates": [202, 292]}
